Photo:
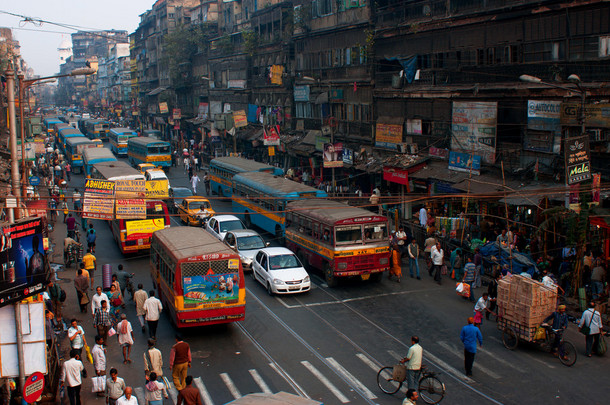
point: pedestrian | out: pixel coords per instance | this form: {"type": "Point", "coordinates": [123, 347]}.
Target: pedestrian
{"type": "Point", "coordinates": [98, 352]}
{"type": "Point", "coordinates": [189, 395]}
{"type": "Point", "coordinates": [206, 183]}
{"type": "Point", "coordinates": [478, 263]}
{"type": "Point", "coordinates": [153, 360]}
{"type": "Point", "coordinates": [413, 360]}
{"type": "Point", "coordinates": [102, 321]}
{"type": "Point", "coordinates": [401, 237]}
{"type": "Point", "coordinates": [96, 300]}
{"type": "Point", "coordinates": [196, 163]}
{"type": "Point", "coordinates": [49, 328]}
{"type": "Point", "coordinates": [71, 226]}
{"type": "Point", "coordinates": [71, 377]}
{"type": "Point", "coordinates": [411, 397]}
{"type": "Point", "coordinates": [194, 182]}
{"type": "Point", "coordinates": [429, 243]}
{"type": "Point", "coordinates": [90, 263]}
{"type": "Point", "coordinates": [423, 217]}
{"type": "Point", "coordinates": [468, 278]}
{"type": "Point", "coordinates": [481, 308]}
{"type": "Point", "coordinates": [64, 208]}
{"type": "Point", "coordinates": [190, 174]}
{"type": "Point", "coordinates": [186, 164]}
{"type": "Point", "coordinates": [455, 264]}
{"type": "Point", "coordinates": [560, 324]}
{"type": "Point", "coordinates": [598, 278]}
{"type": "Point", "coordinates": [140, 297]}
{"type": "Point", "coordinates": [76, 334]}
{"type": "Point", "coordinates": [492, 290]}
{"type": "Point", "coordinates": [123, 278]}
{"type": "Point", "coordinates": [153, 308]}
{"type": "Point", "coordinates": [396, 268]}
{"type": "Point", "coordinates": [67, 243]}
{"type": "Point", "coordinates": [115, 300]}
{"type": "Point", "coordinates": [127, 398]}
{"type": "Point", "coordinates": [125, 336]}
{"type": "Point", "coordinates": [55, 292]}
{"type": "Point", "coordinates": [155, 391]}
{"type": "Point", "coordinates": [81, 284]}
{"type": "Point", "coordinates": [83, 220]}
{"type": "Point", "coordinates": [413, 252]}
{"type": "Point", "coordinates": [469, 335]}
{"type": "Point", "coordinates": [68, 172]}
{"type": "Point", "coordinates": [91, 237]}
{"type": "Point", "coordinates": [179, 362]}
{"type": "Point", "coordinates": [591, 326]}
{"type": "Point", "coordinates": [76, 200]}
{"type": "Point", "coordinates": [115, 387]}
{"type": "Point", "coordinates": [437, 255]}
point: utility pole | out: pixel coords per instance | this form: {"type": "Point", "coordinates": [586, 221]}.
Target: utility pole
{"type": "Point", "coordinates": [10, 89]}
{"type": "Point", "coordinates": [24, 167]}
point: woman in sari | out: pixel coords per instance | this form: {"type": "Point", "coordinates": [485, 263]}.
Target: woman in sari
{"type": "Point", "coordinates": [395, 268]}
{"type": "Point", "coordinates": [115, 298]}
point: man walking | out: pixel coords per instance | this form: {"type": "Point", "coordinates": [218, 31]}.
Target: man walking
{"type": "Point", "coordinates": [125, 332]}
{"type": "Point", "coordinates": [81, 284]}
{"type": "Point", "coordinates": [140, 297]}
{"type": "Point", "coordinates": [413, 252]}
{"type": "Point", "coordinates": [98, 297]}
{"type": "Point", "coordinates": [153, 360]}
{"type": "Point", "coordinates": [179, 362]}
{"type": "Point", "coordinates": [90, 264]}
{"type": "Point", "coordinates": [194, 182]}
{"type": "Point", "coordinates": [591, 320]}
{"type": "Point", "coordinates": [127, 398]}
{"type": "Point", "coordinates": [153, 308]}
{"type": "Point", "coordinates": [55, 294]}
{"type": "Point", "coordinates": [469, 335]}
{"type": "Point", "coordinates": [76, 334]}
{"type": "Point", "coordinates": [123, 278]}
{"type": "Point", "coordinates": [71, 226]}
{"type": "Point", "coordinates": [115, 387]}
{"type": "Point", "coordinates": [71, 377]}
{"type": "Point", "coordinates": [98, 352]}
{"type": "Point", "coordinates": [469, 273]}
{"type": "Point", "coordinates": [76, 199]}
{"type": "Point", "coordinates": [189, 394]}
{"type": "Point", "coordinates": [413, 360]}
{"type": "Point", "coordinates": [102, 321]}
{"type": "Point", "coordinates": [438, 256]}
{"type": "Point", "coordinates": [91, 238]}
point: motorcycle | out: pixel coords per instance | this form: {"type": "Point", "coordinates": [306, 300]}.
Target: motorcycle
{"type": "Point", "coordinates": [74, 254]}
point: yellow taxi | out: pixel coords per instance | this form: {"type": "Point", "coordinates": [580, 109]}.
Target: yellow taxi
{"type": "Point", "coordinates": [98, 143]}
{"type": "Point", "coordinates": [143, 167]}
{"type": "Point", "coordinates": [195, 210]}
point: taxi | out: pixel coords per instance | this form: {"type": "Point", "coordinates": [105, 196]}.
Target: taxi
{"type": "Point", "coordinates": [98, 143]}
{"type": "Point", "coordinates": [189, 210]}
{"type": "Point", "coordinates": [143, 167]}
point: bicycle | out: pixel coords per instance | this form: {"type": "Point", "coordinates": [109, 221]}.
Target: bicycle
{"type": "Point", "coordinates": [430, 388]}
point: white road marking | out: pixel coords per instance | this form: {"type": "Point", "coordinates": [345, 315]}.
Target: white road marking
{"type": "Point", "coordinates": [325, 381]}
{"type": "Point", "coordinates": [446, 367]}
{"type": "Point", "coordinates": [139, 393]}
{"type": "Point", "coordinates": [451, 349]}
{"type": "Point", "coordinates": [299, 390]}
{"type": "Point", "coordinates": [259, 380]}
{"type": "Point", "coordinates": [205, 395]}
{"type": "Point", "coordinates": [526, 354]}
{"type": "Point", "coordinates": [230, 385]}
{"type": "Point", "coordinates": [351, 378]}
{"type": "Point", "coordinates": [369, 362]}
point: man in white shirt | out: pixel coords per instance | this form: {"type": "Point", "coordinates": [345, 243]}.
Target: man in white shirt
{"type": "Point", "coordinates": [423, 217]}
{"type": "Point", "coordinates": [98, 352]}
{"type": "Point", "coordinates": [128, 398]}
{"type": "Point", "coordinates": [71, 377]}
{"type": "Point", "coordinates": [438, 256]}
{"type": "Point", "coordinates": [153, 308]}
{"type": "Point", "coordinates": [139, 298]}
{"type": "Point", "coordinates": [413, 360]}
{"type": "Point", "coordinates": [76, 334]}
{"type": "Point", "coordinates": [96, 300]}
{"type": "Point", "coordinates": [480, 309]}
{"type": "Point", "coordinates": [401, 236]}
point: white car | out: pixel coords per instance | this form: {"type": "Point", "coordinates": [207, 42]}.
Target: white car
{"type": "Point", "coordinates": [219, 225]}
{"type": "Point", "coordinates": [280, 271]}
{"type": "Point", "coordinates": [246, 243]}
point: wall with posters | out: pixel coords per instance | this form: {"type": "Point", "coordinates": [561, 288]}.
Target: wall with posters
{"type": "Point", "coordinates": [473, 125]}
{"type": "Point", "coordinates": [544, 121]}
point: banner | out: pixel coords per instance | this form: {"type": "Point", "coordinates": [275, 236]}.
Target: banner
{"type": "Point", "coordinates": [143, 228]}
{"type": "Point", "coordinates": [473, 126]}
{"type": "Point", "coordinates": [271, 136]}
{"type": "Point", "coordinates": [24, 264]}
{"type": "Point", "coordinates": [132, 188]}
{"type": "Point", "coordinates": [301, 93]}
{"type": "Point", "coordinates": [321, 141]}
{"type": "Point", "coordinates": [348, 156]}
{"type": "Point", "coordinates": [578, 167]}
{"type": "Point", "coordinates": [596, 115]}
{"type": "Point", "coordinates": [176, 114]}
{"type": "Point", "coordinates": [99, 199]}
{"type": "Point", "coordinates": [276, 73]}
{"type": "Point", "coordinates": [131, 208]}
{"type": "Point", "coordinates": [388, 135]}
{"type": "Point", "coordinates": [163, 109]}
{"type": "Point", "coordinates": [464, 162]}
{"type": "Point", "coordinates": [157, 189]}
{"type": "Point", "coordinates": [333, 155]}
{"type": "Point", "coordinates": [240, 119]}
{"type": "Point", "coordinates": [596, 188]}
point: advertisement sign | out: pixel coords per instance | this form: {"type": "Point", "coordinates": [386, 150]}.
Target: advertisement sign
{"type": "Point", "coordinates": [596, 115]}
{"type": "Point", "coordinates": [388, 135]}
{"type": "Point", "coordinates": [438, 152]}
{"type": "Point", "coordinates": [176, 114]}
{"type": "Point", "coordinates": [543, 116]}
{"type": "Point", "coordinates": [202, 111]}
{"type": "Point", "coordinates": [240, 119]}
{"type": "Point", "coordinates": [163, 109]}
{"type": "Point", "coordinates": [301, 93]}
{"type": "Point", "coordinates": [395, 175]}
{"type": "Point", "coordinates": [99, 199]}
{"type": "Point", "coordinates": [578, 167]}
{"type": "Point", "coordinates": [130, 208]}
{"type": "Point", "coordinates": [24, 270]}
{"type": "Point", "coordinates": [333, 154]}
{"type": "Point", "coordinates": [464, 162]}
{"type": "Point", "coordinates": [320, 141]}
{"type": "Point", "coordinates": [212, 288]}
{"type": "Point", "coordinates": [157, 189]}
{"type": "Point", "coordinates": [271, 151]}
{"type": "Point", "coordinates": [414, 127]}
{"type": "Point", "coordinates": [132, 188]}
{"type": "Point", "coordinates": [271, 136]}
{"type": "Point", "coordinates": [596, 189]}
{"type": "Point", "coordinates": [275, 74]}
{"type": "Point", "coordinates": [143, 228]}
{"type": "Point", "coordinates": [348, 156]}
{"type": "Point", "coordinates": [473, 126]}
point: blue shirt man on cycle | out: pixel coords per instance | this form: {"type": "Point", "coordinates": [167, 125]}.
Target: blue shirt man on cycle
{"type": "Point", "coordinates": [560, 323]}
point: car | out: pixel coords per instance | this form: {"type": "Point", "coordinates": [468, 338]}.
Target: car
{"type": "Point", "coordinates": [189, 210]}
{"type": "Point", "coordinates": [219, 225]}
{"type": "Point", "coordinates": [246, 243]}
{"type": "Point", "coordinates": [280, 271]}
{"type": "Point", "coordinates": [156, 174]}
{"type": "Point", "coordinates": [143, 167]}
{"type": "Point", "coordinates": [176, 195]}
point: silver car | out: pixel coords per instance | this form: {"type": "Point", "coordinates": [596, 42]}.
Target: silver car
{"type": "Point", "coordinates": [246, 243]}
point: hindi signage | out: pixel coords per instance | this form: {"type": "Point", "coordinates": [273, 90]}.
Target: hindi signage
{"type": "Point", "coordinates": [388, 135]}
{"type": "Point", "coordinates": [578, 168]}
{"type": "Point", "coordinates": [271, 136]}
{"type": "Point", "coordinates": [99, 199]}
{"type": "Point", "coordinates": [240, 119]}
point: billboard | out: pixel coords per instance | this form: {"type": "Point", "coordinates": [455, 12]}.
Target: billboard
{"type": "Point", "coordinates": [240, 119]}
{"type": "Point", "coordinates": [99, 199]}
{"type": "Point", "coordinates": [130, 195]}
{"type": "Point", "coordinates": [543, 116]}
{"type": "Point", "coordinates": [25, 269]}
{"type": "Point", "coordinates": [596, 115]}
{"type": "Point", "coordinates": [271, 136]}
{"type": "Point", "coordinates": [388, 135]}
{"type": "Point", "coordinates": [473, 126]}
{"type": "Point", "coordinates": [578, 167]}
{"type": "Point", "coordinates": [157, 189]}
{"type": "Point", "coordinates": [143, 228]}
{"type": "Point", "coordinates": [333, 154]}
{"type": "Point", "coordinates": [464, 162]}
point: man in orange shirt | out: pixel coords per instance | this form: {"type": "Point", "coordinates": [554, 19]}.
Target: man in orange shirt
{"type": "Point", "coordinates": [90, 265]}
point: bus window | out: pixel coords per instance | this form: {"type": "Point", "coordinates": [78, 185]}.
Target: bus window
{"type": "Point", "coordinates": [349, 234]}
{"type": "Point", "coordinates": [316, 231]}
{"type": "Point", "coordinates": [327, 236]}
{"type": "Point", "coordinates": [375, 231]}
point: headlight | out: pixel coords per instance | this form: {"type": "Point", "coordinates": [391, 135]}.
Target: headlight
{"type": "Point", "coordinates": [342, 266]}
{"type": "Point", "coordinates": [385, 260]}
{"type": "Point", "coordinates": [277, 281]}
{"type": "Point", "coordinates": [306, 279]}
{"type": "Point", "coordinates": [245, 260]}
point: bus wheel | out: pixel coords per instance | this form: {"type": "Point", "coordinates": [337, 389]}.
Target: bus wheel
{"type": "Point", "coordinates": [329, 276]}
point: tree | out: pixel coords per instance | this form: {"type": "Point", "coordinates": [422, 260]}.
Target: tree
{"type": "Point", "coordinates": [181, 45]}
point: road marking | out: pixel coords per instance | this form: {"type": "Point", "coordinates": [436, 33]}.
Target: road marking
{"type": "Point", "coordinates": [446, 367]}
{"type": "Point", "coordinates": [259, 380]}
{"type": "Point", "coordinates": [230, 385]}
{"type": "Point", "coordinates": [351, 378]}
{"type": "Point", "coordinates": [500, 360]}
{"type": "Point", "coordinates": [139, 393]}
{"type": "Point", "coordinates": [171, 390]}
{"type": "Point", "coordinates": [325, 381]}
{"type": "Point", "coordinates": [453, 350]}
{"type": "Point", "coordinates": [369, 362]}
{"type": "Point", "coordinates": [525, 354]}
{"type": "Point", "coordinates": [282, 373]}
{"type": "Point", "coordinates": [205, 395]}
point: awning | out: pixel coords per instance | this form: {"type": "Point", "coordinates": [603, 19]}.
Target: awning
{"type": "Point", "coordinates": [310, 138]}
{"type": "Point", "coordinates": [156, 91]}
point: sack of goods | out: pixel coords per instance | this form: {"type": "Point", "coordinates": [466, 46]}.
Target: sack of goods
{"type": "Point", "coordinates": [463, 289]}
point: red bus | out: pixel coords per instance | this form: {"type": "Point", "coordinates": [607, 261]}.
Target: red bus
{"type": "Point", "coordinates": [135, 235]}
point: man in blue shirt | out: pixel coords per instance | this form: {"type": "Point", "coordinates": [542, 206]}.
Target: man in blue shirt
{"type": "Point", "coordinates": [469, 276]}
{"type": "Point", "coordinates": [469, 336]}
{"type": "Point", "coordinates": [560, 323]}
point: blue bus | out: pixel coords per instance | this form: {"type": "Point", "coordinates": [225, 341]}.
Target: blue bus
{"type": "Point", "coordinates": [223, 169]}
{"type": "Point", "coordinates": [49, 123]}
{"type": "Point", "coordinates": [147, 150]}
{"type": "Point", "coordinates": [260, 198]}
{"type": "Point", "coordinates": [65, 133]}
{"type": "Point", "coordinates": [74, 148]}
{"type": "Point", "coordinates": [97, 129]}
{"type": "Point", "coordinates": [118, 138]}
{"type": "Point", "coordinates": [92, 156]}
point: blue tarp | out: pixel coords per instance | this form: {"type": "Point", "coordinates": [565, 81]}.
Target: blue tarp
{"type": "Point", "coordinates": [409, 66]}
{"type": "Point", "coordinates": [252, 112]}
{"type": "Point", "coordinates": [521, 262]}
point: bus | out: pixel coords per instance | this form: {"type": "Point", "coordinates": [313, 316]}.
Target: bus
{"type": "Point", "coordinates": [260, 198]}
{"type": "Point", "coordinates": [338, 239]}
{"type": "Point", "coordinates": [153, 133]}
{"type": "Point", "coordinates": [223, 169]}
{"type": "Point", "coordinates": [118, 138]}
{"type": "Point", "coordinates": [92, 156]}
{"type": "Point", "coordinates": [135, 235]}
{"type": "Point", "coordinates": [199, 279]}
{"type": "Point", "coordinates": [49, 122]}
{"type": "Point", "coordinates": [148, 150]}
{"type": "Point", "coordinates": [74, 148]}
{"type": "Point", "coordinates": [97, 129]}
{"type": "Point", "coordinates": [65, 133]}
{"type": "Point", "coordinates": [115, 170]}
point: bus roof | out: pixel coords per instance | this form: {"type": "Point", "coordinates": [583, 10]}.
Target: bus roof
{"type": "Point", "coordinates": [77, 140]}
{"type": "Point", "coordinates": [121, 130]}
{"type": "Point", "coordinates": [276, 185]}
{"type": "Point", "coordinates": [239, 164]}
{"type": "Point", "coordinates": [68, 130]}
{"type": "Point", "coordinates": [97, 153]}
{"type": "Point", "coordinates": [144, 141]}
{"type": "Point", "coordinates": [329, 211]}
{"type": "Point", "coordinates": [116, 170]}
{"type": "Point", "coordinates": [186, 242]}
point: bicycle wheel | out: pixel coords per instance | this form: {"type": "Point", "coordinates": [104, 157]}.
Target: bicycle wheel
{"type": "Point", "coordinates": [385, 381]}
{"type": "Point", "coordinates": [567, 353]}
{"type": "Point", "coordinates": [510, 339]}
{"type": "Point", "coordinates": [431, 390]}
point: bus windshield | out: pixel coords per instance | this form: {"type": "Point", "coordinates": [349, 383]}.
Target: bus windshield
{"type": "Point", "coordinates": [250, 243]}
{"type": "Point", "coordinates": [283, 262]}
{"type": "Point", "coordinates": [158, 149]}
{"type": "Point", "coordinates": [349, 234]}
{"type": "Point", "coordinates": [375, 232]}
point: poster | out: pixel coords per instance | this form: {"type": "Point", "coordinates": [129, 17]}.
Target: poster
{"type": "Point", "coordinates": [543, 116]}
{"type": "Point", "coordinates": [99, 199]}
{"type": "Point", "coordinates": [333, 154]}
{"type": "Point", "coordinates": [465, 162]}
{"type": "Point", "coordinates": [271, 136]}
{"type": "Point", "coordinates": [130, 202]}
{"type": "Point", "coordinates": [348, 156]}
{"type": "Point", "coordinates": [578, 167]}
{"type": "Point", "coordinates": [321, 141]}
{"type": "Point", "coordinates": [240, 119]}
{"type": "Point", "coordinates": [596, 189]}
{"type": "Point", "coordinates": [473, 126]}
{"type": "Point", "coordinates": [276, 73]}
{"type": "Point", "coordinates": [212, 288]}
{"type": "Point", "coordinates": [388, 135]}
{"type": "Point", "coordinates": [176, 114]}
{"type": "Point", "coordinates": [157, 189]}
{"type": "Point", "coordinates": [163, 109]}
{"type": "Point", "coordinates": [143, 228]}
{"type": "Point", "coordinates": [24, 270]}
{"type": "Point", "coordinates": [202, 111]}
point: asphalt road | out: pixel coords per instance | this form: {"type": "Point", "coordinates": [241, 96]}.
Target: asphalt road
{"type": "Point", "coordinates": [329, 343]}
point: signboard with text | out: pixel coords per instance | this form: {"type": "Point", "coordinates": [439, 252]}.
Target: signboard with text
{"type": "Point", "coordinates": [271, 136]}
{"type": "Point", "coordinates": [596, 115]}
{"type": "Point", "coordinates": [333, 155]}
{"type": "Point", "coordinates": [240, 119]}
{"type": "Point", "coordinates": [163, 109]}
{"type": "Point", "coordinates": [473, 126]}
{"type": "Point", "coordinates": [143, 228]}
{"type": "Point", "coordinates": [578, 168]}
{"type": "Point", "coordinates": [99, 199]}
{"type": "Point", "coordinates": [388, 135]}
{"type": "Point", "coordinates": [464, 162]}
{"type": "Point", "coordinates": [543, 116]}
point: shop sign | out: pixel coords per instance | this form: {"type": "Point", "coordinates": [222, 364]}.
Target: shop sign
{"type": "Point", "coordinates": [388, 135]}
{"type": "Point", "coordinates": [99, 199]}
{"type": "Point", "coordinates": [596, 115]}
{"type": "Point", "coordinates": [395, 175]}
{"type": "Point", "coordinates": [543, 116]}
{"type": "Point", "coordinates": [240, 119]}
{"type": "Point", "coordinates": [333, 154]}
{"type": "Point", "coordinates": [176, 114]}
{"type": "Point", "coordinates": [578, 167]}
{"type": "Point", "coordinates": [163, 109]}
{"type": "Point", "coordinates": [464, 162]}
{"type": "Point", "coordinates": [271, 136]}
{"type": "Point", "coordinates": [348, 156]}
{"type": "Point", "coordinates": [301, 93]}
{"type": "Point", "coordinates": [320, 141]}
{"type": "Point", "coordinates": [473, 126]}
{"type": "Point", "coordinates": [336, 94]}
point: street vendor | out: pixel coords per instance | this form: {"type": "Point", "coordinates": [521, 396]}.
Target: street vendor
{"type": "Point", "coordinates": [560, 323]}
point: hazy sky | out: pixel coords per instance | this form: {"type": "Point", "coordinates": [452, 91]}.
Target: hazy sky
{"type": "Point", "coordinates": [39, 47]}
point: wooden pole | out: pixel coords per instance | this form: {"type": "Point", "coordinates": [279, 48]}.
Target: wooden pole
{"type": "Point", "coordinates": [510, 250]}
